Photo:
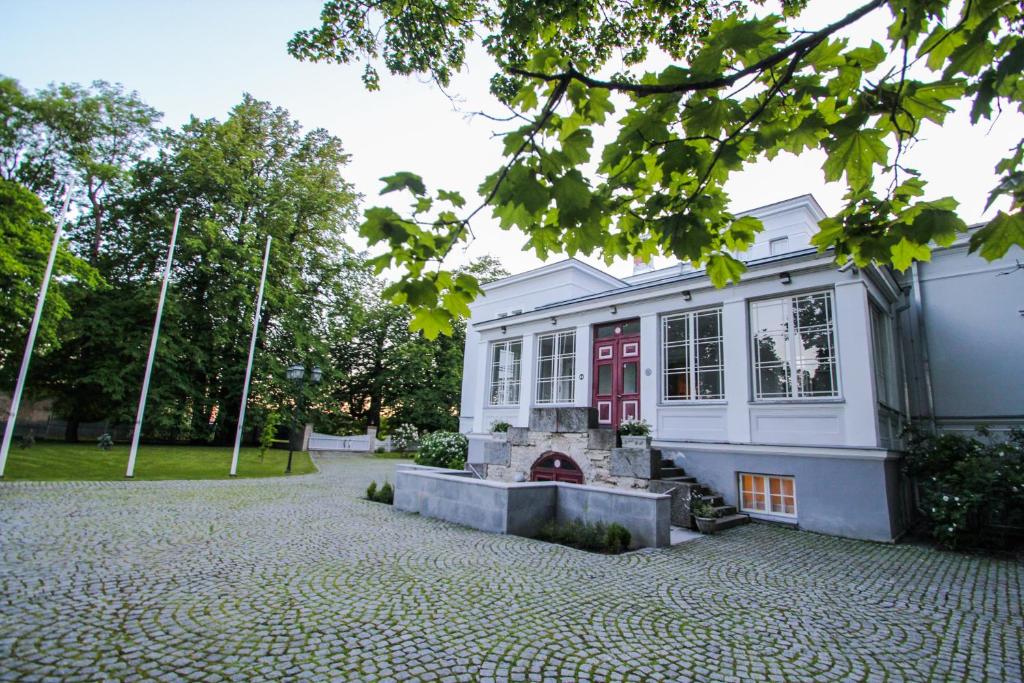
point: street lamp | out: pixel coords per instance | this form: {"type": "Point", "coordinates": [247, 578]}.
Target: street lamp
{"type": "Point", "coordinates": [297, 374]}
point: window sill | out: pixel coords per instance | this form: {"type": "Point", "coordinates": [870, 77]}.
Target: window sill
{"type": "Point", "coordinates": [788, 520]}
{"type": "Point", "coordinates": [796, 401]}
{"type": "Point", "coordinates": [692, 403]}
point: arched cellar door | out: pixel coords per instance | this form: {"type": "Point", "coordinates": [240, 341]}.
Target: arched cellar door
{"type": "Point", "coordinates": [553, 466]}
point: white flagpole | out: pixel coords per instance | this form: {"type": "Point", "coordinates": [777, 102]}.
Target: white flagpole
{"type": "Point", "coordinates": [12, 413]}
{"type": "Point", "coordinates": [248, 367]}
{"type": "Point", "coordinates": [152, 349]}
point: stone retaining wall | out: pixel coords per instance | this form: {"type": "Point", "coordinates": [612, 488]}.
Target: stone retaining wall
{"type": "Point", "coordinates": [524, 508]}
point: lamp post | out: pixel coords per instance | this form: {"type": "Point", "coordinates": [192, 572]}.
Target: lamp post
{"type": "Point", "coordinates": [297, 374]}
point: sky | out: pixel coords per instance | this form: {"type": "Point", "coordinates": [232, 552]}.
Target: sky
{"type": "Point", "coordinates": [197, 57]}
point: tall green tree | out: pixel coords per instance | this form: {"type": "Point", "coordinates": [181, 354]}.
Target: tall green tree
{"type": "Point", "coordinates": [26, 235]}
{"type": "Point", "coordinates": [741, 88]}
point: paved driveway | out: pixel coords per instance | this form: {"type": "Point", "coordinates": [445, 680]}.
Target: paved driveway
{"type": "Point", "coordinates": [298, 578]}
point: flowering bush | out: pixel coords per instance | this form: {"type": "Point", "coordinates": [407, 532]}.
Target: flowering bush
{"type": "Point", "coordinates": [634, 428]}
{"type": "Point", "coordinates": [443, 449]}
{"type": "Point", "coordinates": [967, 486]}
{"type": "Point", "coordinates": [500, 426]}
{"type": "Point", "coordinates": [404, 437]}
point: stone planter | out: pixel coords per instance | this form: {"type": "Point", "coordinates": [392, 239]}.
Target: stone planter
{"type": "Point", "coordinates": [705, 525]}
{"type": "Point", "coordinates": [635, 441]}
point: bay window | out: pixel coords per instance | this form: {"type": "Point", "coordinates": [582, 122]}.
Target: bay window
{"type": "Point", "coordinates": [506, 358]}
{"type": "Point", "coordinates": [794, 351]}
{"type": "Point", "coordinates": [556, 367]}
{"type": "Point", "coordinates": [692, 360]}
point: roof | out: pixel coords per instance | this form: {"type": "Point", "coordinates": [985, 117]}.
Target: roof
{"type": "Point", "coordinates": [549, 268]}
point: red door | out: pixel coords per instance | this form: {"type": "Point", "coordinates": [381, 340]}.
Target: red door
{"type": "Point", "coordinates": [617, 372]}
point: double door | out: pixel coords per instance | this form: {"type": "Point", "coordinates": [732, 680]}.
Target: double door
{"type": "Point", "coordinates": [616, 393]}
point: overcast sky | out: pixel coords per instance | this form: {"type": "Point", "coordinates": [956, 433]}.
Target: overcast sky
{"type": "Point", "coordinates": [197, 57]}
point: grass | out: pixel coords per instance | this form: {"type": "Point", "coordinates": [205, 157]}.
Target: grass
{"type": "Point", "coordinates": [394, 455]}
{"type": "Point", "coordinates": [56, 461]}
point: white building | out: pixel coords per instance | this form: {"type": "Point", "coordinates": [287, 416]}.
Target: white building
{"type": "Point", "coordinates": [787, 392]}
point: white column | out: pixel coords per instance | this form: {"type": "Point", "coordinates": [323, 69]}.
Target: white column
{"type": "Point", "coordinates": [527, 368]}
{"type": "Point", "coordinates": [650, 362]}
{"type": "Point", "coordinates": [737, 370]}
{"type": "Point", "coordinates": [480, 387]}
{"type": "Point", "coordinates": [584, 364]}
{"type": "Point", "coordinates": [853, 337]}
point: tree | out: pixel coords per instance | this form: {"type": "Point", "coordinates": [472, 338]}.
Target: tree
{"type": "Point", "coordinates": [26, 235]}
{"type": "Point", "coordinates": [742, 88]}
{"type": "Point", "coordinates": [89, 138]}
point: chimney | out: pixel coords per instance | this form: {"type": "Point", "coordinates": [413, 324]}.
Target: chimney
{"type": "Point", "coordinates": [641, 265]}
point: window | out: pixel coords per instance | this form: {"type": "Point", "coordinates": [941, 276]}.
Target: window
{"type": "Point", "coordinates": [506, 358]}
{"type": "Point", "coordinates": [767, 494]}
{"type": "Point", "coordinates": [882, 346]}
{"type": "Point", "coordinates": [778, 246]}
{"type": "Point", "coordinates": [794, 348]}
{"type": "Point", "coordinates": [556, 366]}
{"type": "Point", "coordinates": [691, 347]}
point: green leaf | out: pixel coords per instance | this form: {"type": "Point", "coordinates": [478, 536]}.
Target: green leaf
{"type": "Point", "coordinates": [856, 154]}
{"type": "Point", "coordinates": [404, 180]}
{"type": "Point", "coordinates": [906, 252]}
{"type": "Point", "coordinates": [723, 269]}
{"type": "Point", "coordinates": [452, 197]}
{"type": "Point", "coordinates": [572, 196]}
{"type": "Point", "coordinates": [431, 322]}
{"type": "Point", "coordinates": [1001, 233]}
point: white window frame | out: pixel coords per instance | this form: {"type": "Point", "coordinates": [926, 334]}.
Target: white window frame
{"type": "Point", "coordinates": [883, 357]}
{"type": "Point", "coordinates": [767, 511]}
{"type": "Point", "coordinates": [793, 393]}
{"type": "Point", "coordinates": [781, 242]}
{"type": "Point", "coordinates": [556, 379]}
{"type": "Point", "coordinates": [693, 369]}
{"type": "Point", "coordinates": [511, 386]}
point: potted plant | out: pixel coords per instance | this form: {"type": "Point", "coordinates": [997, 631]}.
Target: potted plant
{"type": "Point", "coordinates": [500, 427]}
{"type": "Point", "coordinates": [703, 512]}
{"type": "Point", "coordinates": [635, 434]}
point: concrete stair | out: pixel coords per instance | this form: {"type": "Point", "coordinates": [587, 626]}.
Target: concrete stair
{"type": "Point", "coordinates": [674, 480]}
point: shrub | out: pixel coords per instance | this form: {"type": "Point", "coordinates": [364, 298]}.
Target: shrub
{"type": "Point", "coordinates": [634, 428]}
{"type": "Point", "coordinates": [700, 507]}
{"type": "Point", "coordinates": [592, 536]}
{"type": "Point", "coordinates": [967, 486]}
{"type": "Point", "coordinates": [105, 442]}
{"type": "Point", "coordinates": [384, 494]}
{"type": "Point", "coordinates": [268, 433]}
{"type": "Point", "coordinates": [404, 437]}
{"type": "Point", "coordinates": [500, 426]}
{"type": "Point", "coordinates": [443, 449]}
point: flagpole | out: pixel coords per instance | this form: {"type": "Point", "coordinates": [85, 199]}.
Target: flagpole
{"type": "Point", "coordinates": [12, 412]}
{"type": "Point", "coordinates": [152, 349]}
{"type": "Point", "coordinates": [248, 367]}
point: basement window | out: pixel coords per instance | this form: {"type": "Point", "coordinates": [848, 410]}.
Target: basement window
{"type": "Point", "coordinates": [767, 494]}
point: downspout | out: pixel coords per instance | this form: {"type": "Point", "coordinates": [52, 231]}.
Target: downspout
{"type": "Point", "coordinates": [905, 414]}
{"type": "Point", "coordinates": [918, 310]}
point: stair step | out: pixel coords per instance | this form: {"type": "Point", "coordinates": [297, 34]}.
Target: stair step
{"type": "Point", "coordinates": [668, 472]}
{"type": "Point", "coordinates": [681, 479]}
{"type": "Point", "coordinates": [730, 521]}
{"type": "Point", "coordinates": [725, 510]}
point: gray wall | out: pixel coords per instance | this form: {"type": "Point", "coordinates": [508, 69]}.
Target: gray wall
{"type": "Point", "coordinates": [524, 508]}
{"type": "Point", "coordinates": [855, 498]}
{"type": "Point", "coordinates": [975, 336]}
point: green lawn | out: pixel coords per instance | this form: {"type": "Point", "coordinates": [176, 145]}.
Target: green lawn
{"type": "Point", "coordinates": [394, 455]}
{"type": "Point", "coordinates": [54, 461]}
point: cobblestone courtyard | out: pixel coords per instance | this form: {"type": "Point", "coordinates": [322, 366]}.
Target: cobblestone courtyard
{"type": "Point", "coordinates": [300, 579]}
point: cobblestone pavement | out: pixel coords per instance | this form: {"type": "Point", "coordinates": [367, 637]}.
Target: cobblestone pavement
{"type": "Point", "coordinates": [300, 579]}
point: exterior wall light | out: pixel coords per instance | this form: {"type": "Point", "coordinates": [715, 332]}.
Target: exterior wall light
{"type": "Point", "coordinates": [504, 329]}
{"type": "Point", "coordinates": [686, 295]}
{"type": "Point", "coordinates": [615, 309]}
{"type": "Point", "coordinates": [554, 320]}
{"type": "Point", "coordinates": [784, 278]}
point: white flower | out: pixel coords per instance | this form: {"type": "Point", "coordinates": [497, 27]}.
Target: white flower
{"type": "Point", "coordinates": [945, 499]}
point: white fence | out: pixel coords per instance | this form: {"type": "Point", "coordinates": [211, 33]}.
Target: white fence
{"type": "Point", "coordinates": [358, 443]}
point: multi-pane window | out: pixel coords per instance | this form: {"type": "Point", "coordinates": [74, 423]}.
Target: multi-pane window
{"type": "Point", "coordinates": [556, 365]}
{"type": "Point", "coordinates": [794, 347]}
{"type": "Point", "coordinates": [767, 494]}
{"type": "Point", "coordinates": [884, 357]}
{"type": "Point", "coordinates": [692, 361]}
{"type": "Point", "coordinates": [506, 358]}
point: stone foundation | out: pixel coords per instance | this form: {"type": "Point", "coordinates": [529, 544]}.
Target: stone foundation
{"type": "Point", "coordinates": [573, 432]}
